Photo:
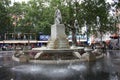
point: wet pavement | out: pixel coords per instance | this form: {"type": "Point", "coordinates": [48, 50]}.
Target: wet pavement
{"type": "Point", "coordinates": [107, 68]}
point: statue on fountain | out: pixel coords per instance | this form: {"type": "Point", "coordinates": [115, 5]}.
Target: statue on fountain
{"type": "Point", "coordinates": [58, 39]}
{"type": "Point", "coordinates": [58, 17]}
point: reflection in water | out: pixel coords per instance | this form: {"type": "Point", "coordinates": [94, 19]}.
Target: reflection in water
{"type": "Point", "coordinates": [103, 69]}
{"type": "Point", "coordinates": [77, 67]}
{"type": "Point", "coordinates": [114, 76]}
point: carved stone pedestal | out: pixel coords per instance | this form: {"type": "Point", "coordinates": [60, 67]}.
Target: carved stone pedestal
{"type": "Point", "coordinates": [58, 38]}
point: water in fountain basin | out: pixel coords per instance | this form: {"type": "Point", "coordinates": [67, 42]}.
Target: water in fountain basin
{"type": "Point", "coordinates": [99, 70]}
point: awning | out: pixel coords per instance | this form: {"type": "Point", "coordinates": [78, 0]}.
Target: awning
{"type": "Point", "coordinates": [19, 41]}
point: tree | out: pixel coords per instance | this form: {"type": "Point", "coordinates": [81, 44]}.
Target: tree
{"type": "Point", "coordinates": [4, 18]}
{"type": "Point", "coordinates": [39, 15]}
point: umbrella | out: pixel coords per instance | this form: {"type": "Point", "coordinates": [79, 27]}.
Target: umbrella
{"type": "Point", "coordinates": [114, 36]}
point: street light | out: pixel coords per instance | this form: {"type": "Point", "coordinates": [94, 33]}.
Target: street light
{"type": "Point", "coordinates": [98, 26]}
{"type": "Point", "coordinates": [86, 31]}
{"type": "Point", "coordinates": [14, 23]}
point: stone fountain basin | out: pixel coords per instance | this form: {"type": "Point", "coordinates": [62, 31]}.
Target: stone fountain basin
{"type": "Point", "coordinates": [57, 52]}
{"type": "Point", "coordinates": [45, 50]}
{"type": "Point", "coordinates": [88, 49]}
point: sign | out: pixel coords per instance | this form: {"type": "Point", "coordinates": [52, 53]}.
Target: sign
{"type": "Point", "coordinates": [44, 37]}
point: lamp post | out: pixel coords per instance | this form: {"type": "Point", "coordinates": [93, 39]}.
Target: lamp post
{"type": "Point", "coordinates": [79, 35]}
{"type": "Point", "coordinates": [117, 21]}
{"type": "Point", "coordinates": [14, 23]}
{"type": "Point", "coordinates": [86, 31]}
{"type": "Point", "coordinates": [76, 26]}
{"type": "Point", "coordinates": [98, 27]}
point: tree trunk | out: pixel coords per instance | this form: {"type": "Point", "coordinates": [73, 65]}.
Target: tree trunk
{"type": "Point", "coordinates": [74, 41]}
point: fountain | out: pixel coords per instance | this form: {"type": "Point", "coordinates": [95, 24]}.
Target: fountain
{"type": "Point", "coordinates": [58, 49]}
{"type": "Point", "coordinates": [102, 69]}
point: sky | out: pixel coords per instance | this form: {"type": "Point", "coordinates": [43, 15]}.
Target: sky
{"type": "Point", "coordinates": [28, 0]}
{"type": "Point", "coordinates": [18, 1]}
{"type": "Point", "coordinates": [111, 1]}
{"type": "Point", "coordinates": [12, 1]}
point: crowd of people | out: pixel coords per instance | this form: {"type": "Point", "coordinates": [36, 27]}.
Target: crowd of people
{"type": "Point", "coordinates": [111, 45]}
{"type": "Point", "coordinates": [9, 47]}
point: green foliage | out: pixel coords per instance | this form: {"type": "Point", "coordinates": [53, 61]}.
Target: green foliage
{"type": "Point", "coordinates": [4, 17]}
{"type": "Point", "coordinates": [92, 9]}
{"type": "Point", "coordinates": [38, 15]}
